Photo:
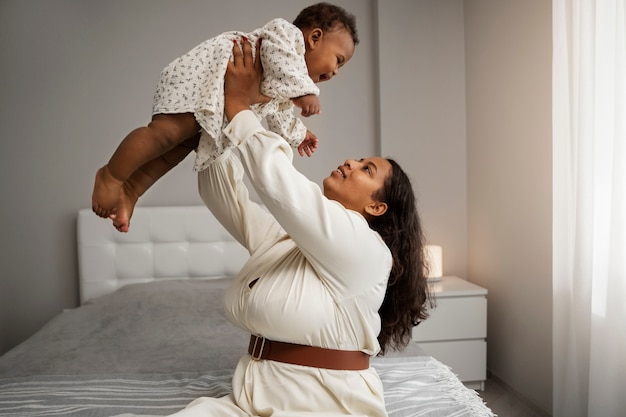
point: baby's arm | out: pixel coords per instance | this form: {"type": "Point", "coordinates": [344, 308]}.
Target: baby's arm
{"type": "Point", "coordinates": [308, 145]}
{"type": "Point", "coordinates": [291, 128]}
{"type": "Point", "coordinates": [285, 123]}
{"type": "Point", "coordinates": [309, 104]}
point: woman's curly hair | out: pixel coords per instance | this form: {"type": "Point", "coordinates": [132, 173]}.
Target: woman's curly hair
{"type": "Point", "coordinates": [407, 298]}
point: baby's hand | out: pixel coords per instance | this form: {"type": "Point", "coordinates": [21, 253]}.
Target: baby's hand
{"type": "Point", "coordinates": [310, 104]}
{"type": "Point", "coordinates": [308, 145]}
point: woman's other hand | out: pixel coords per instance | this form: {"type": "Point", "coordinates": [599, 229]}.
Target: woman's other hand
{"type": "Point", "coordinates": [243, 79]}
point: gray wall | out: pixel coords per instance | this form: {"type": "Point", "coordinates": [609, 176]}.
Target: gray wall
{"type": "Point", "coordinates": [76, 76]}
{"type": "Point", "coordinates": [509, 142]}
{"type": "Point", "coordinates": [466, 103]}
{"type": "Point", "coordinates": [422, 113]}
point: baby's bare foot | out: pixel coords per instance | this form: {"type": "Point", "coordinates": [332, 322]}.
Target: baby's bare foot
{"type": "Point", "coordinates": [125, 207]}
{"type": "Point", "coordinates": [106, 191]}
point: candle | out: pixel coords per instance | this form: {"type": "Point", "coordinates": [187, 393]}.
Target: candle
{"type": "Point", "coordinates": [434, 261]}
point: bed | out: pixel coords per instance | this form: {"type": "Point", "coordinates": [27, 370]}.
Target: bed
{"type": "Point", "coordinates": [150, 334]}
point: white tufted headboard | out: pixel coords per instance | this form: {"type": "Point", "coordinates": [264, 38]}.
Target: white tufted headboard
{"type": "Point", "coordinates": [163, 243]}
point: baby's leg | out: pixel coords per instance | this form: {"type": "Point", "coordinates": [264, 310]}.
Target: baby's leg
{"type": "Point", "coordinates": [145, 177]}
{"type": "Point", "coordinates": [106, 186]}
{"type": "Point", "coordinates": [140, 146]}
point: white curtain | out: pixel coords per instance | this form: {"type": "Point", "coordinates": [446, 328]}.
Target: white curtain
{"type": "Point", "coordinates": [589, 219]}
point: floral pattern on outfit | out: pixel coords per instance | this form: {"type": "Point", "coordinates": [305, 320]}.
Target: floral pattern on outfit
{"type": "Point", "coordinates": [194, 83]}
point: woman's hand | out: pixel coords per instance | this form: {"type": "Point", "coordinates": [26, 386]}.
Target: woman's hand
{"type": "Point", "coordinates": [243, 79]}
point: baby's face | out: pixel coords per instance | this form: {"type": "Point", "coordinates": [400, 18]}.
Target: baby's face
{"type": "Point", "coordinates": [328, 52]}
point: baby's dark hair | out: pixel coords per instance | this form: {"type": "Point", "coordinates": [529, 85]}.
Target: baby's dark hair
{"type": "Point", "coordinates": [327, 16]}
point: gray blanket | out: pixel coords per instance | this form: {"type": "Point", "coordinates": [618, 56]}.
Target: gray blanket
{"type": "Point", "coordinates": [163, 326]}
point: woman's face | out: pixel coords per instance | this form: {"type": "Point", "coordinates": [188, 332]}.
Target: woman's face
{"type": "Point", "coordinates": [354, 184]}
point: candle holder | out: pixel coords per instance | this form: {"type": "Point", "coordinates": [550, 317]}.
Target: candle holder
{"type": "Point", "coordinates": [434, 261]}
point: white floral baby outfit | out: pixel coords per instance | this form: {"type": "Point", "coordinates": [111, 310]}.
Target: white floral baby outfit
{"type": "Point", "coordinates": [194, 83]}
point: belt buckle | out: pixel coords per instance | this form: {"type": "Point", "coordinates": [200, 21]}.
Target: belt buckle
{"type": "Point", "coordinates": [262, 345]}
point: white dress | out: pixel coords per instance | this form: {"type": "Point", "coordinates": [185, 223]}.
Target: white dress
{"type": "Point", "coordinates": [194, 83]}
{"type": "Point", "coordinates": [319, 274]}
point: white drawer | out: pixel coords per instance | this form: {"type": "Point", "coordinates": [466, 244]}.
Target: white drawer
{"type": "Point", "coordinates": [467, 358]}
{"type": "Point", "coordinates": [454, 318]}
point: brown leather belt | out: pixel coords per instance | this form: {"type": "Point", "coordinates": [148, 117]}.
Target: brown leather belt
{"type": "Point", "coordinates": [317, 357]}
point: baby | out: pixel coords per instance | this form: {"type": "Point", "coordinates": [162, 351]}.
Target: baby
{"type": "Point", "coordinates": [295, 57]}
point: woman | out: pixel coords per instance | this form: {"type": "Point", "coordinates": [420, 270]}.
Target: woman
{"type": "Point", "coordinates": [333, 278]}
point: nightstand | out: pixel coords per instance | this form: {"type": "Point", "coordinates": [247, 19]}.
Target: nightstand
{"type": "Point", "coordinates": [456, 331]}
